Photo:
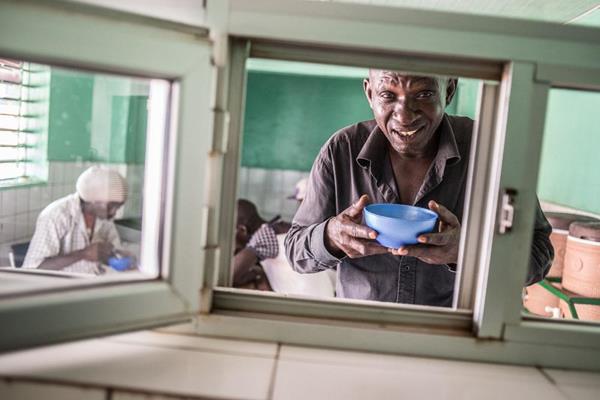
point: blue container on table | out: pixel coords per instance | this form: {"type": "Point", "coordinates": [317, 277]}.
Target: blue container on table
{"type": "Point", "coordinates": [398, 224]}
{"type": "Point", "coordinates": [120, 263]}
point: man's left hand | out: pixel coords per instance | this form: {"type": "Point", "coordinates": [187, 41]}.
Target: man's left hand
{"type": "Point", "coordinates": [436, 248]}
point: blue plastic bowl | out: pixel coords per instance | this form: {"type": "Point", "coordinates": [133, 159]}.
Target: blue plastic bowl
{"type": "Point", "coordinates": [398, 224]}
{"type": "Point", "coordinates": [120, 264]}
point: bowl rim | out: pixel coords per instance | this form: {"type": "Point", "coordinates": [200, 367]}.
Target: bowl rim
{"type": "Point", "coordinates": [119, 260]}
{"type": "Point", "coordinates": [421, 209]}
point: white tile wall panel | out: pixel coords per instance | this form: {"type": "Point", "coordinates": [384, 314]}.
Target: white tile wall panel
{"type": "Point", "coordinates": [9, 203]}
{"type": "Point", "coordinates": [22, 200]}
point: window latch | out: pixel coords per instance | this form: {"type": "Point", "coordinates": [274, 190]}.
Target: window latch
{"type": "Point", "coordinates": [507, 211]}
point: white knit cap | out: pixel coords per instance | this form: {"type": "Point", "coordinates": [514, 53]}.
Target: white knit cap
{"type": "Point", "coordinates": [99, 184]}
{"type": "Point", "coordinates": [300, 190]}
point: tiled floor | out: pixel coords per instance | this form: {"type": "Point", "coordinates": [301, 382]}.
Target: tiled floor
{"type": "Point", "coordinates": [178, 364]}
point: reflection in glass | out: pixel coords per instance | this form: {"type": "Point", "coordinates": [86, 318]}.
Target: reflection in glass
{"type": "Point", "coordinates": [292, 111]}
{"type": "Point", "coordinates": [568, 188]}
{"type": "Point", "coordinates": [72, 155]}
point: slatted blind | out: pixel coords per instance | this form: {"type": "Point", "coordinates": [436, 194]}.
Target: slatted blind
{"type": "Point", "coordinates": [14, 119]}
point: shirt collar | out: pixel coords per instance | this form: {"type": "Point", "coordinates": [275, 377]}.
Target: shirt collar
{"type": "Point", "coordinates": [374, 153]}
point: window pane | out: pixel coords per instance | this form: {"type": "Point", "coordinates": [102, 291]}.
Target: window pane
{"type": "Point", "coordinates": [82, 136]}
{"type": "Point", "coordinates": [303, 117]}
{"type": "Point", "coordinates": [569, 188]}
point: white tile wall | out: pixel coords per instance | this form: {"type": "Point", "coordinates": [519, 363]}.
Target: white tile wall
{"type": "Point", "coordinates": [19, 208]}
{"type": "Point", "coordinates": [269, 189]}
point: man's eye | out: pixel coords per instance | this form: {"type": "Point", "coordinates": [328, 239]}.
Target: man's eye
{"type": "Point", "coordinates": [386, 95]}
{"type": "Point", "coordinates": [426, 94]}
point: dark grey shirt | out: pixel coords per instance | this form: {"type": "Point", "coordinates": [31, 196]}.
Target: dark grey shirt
{"type": "Point", "coordinates": [355, 161]}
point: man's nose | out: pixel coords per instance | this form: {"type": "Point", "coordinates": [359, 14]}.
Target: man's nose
{"type": "Point", "coordinates": [404, 111]}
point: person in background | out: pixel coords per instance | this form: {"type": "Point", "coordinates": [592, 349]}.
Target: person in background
{"type": "Point", "coordinates": [259, 261]}
{"type": "Point", "coordinates": [255, 240]}
{"type": "Point", "coordinates": [76, 233]}
{"type": "Point", "coordinates": [300, 190]}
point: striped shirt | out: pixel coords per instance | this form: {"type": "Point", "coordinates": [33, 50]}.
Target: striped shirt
{"type": "Point", "coordinates": [60, 229]}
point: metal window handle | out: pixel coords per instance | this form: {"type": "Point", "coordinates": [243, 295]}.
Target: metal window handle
{"type": "Point", "coordinates": [507, 211]}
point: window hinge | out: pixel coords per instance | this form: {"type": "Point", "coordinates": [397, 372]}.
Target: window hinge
{"type": "Point", "coordinates": [507, 211]}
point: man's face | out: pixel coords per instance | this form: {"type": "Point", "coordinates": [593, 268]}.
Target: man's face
{"type": "Point", "coordinates": [408, 109]}
{"type": "Point", "coordinates": [104, 210]}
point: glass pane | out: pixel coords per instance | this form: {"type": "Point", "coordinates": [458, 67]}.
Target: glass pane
{"type": "Point", "coordinates": [303, 117]}
{"type": "Point", "coordinates": [82, 138]}
{"type": "Point", "coordinates": [569, 188]}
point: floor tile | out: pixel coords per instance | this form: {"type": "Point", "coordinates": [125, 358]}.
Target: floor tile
{"type": "Point", "coordinates": [195, 342]}
{"type": "Point", "coordinates": [24, 390]}
{"type": "Point", "coordinates": [304, 373]}
{"type": "Point", "coordinates": [576, 385]}
{"type": "Point", "coordinates": [125, 366]}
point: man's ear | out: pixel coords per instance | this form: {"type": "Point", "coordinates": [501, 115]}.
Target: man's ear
{"type": "Point", "coordinates": [241, 230]}
{"type": "Point", "coordinates": [368, 92]}
{"type": "Point", "coordinates": [451, 89]}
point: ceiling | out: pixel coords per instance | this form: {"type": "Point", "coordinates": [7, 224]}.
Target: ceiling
{"type": "Point", "coordinates": [562, 11]}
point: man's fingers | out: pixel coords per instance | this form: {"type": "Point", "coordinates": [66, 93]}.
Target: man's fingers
{"type": "Point", "coordinates": [357, 230]}
{"type": "Point", "coordinates": [356, 209]}
{"type": "Point", "coordinates": [446, 216]}
{"type": "Point", "coordinates": [356, 248]}
{"type": "Point", "coordinates": [418, 251]}
{"type": "Point", "coordinates": [437, 239]}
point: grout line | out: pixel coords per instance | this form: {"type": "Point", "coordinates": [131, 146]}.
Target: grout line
{"type": "Point", "coordinates": [546, 375]}
{"type": "Point", "coordinates": [274, 374]}
{"type": "Point", "coordinates": [552, 381]}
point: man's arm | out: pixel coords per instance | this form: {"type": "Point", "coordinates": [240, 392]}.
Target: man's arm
{"type": "Point", "coordinates": [319, 236]}
{"type": "Point", "coordinates": [304, 243]}
{"type": "Point", "coordinates": [542, 252]}
{"type": "Point", "coordinates": [95, 252]}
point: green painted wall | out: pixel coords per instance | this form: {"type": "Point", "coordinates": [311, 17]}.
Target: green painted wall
{"type": "Point", "coordinates": [73, 134]}
{"type": "Point", "coordinates": [70, 115]}
{"type": "Point", "coordinates": [289, 116]}
{"type": "Point", "coordinates": [569, 171]}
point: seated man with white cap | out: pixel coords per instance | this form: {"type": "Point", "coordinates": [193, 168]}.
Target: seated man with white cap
{"type": "Point", "coordinates": [76, 233]}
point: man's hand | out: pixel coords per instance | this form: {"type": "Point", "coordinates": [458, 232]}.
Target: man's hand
{"type": "Point", "coordinates": [440, 247]}
{"type": "Point", "coordinates": [100, 251]}
{"type": "Point", "coordinates": [344, 233]}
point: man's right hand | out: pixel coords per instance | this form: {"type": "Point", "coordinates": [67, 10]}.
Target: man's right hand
{"type": "Point", "coordinates": [100, 251]}
{"type": "Point", "coordinates": [344, 234]}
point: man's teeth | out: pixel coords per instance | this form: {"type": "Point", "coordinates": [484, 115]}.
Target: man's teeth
{"type": "Point", "coordinates": [407, 133]}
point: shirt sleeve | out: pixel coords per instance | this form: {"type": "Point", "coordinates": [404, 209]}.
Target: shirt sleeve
{"type": "Point", "coordinates": [112, 235]}
{"type": "Point", "coordinates": [542, 252]}
{"type": "Point", "coordinates": [44, 243]}
{"type": "Point", "coordinates": [304, 242]}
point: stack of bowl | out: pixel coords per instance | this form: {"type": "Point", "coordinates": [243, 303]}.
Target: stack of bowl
{"type": "Point", "coordinates": [581, 275]}
{"type": "Point", "coordinates": [538, 300]}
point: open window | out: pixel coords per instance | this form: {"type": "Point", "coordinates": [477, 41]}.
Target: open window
{"type": "Point", "coordinates": [120, 129]}
{"type": "Point", "coordinates": [500, 203]}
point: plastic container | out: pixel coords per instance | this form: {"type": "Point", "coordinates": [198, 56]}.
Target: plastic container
{"type": "Point", "coordinates": [585, 312]}
{"type": "Point", "coordinates": [581, 273]}
{"type": "Point", "coordinates": [560, 230]}
{"type": "Point", "coordinates": [398, 224]}
{"type": "Point", "coordinates": [539, 301]}
{"type": "Point", "coordinates": [120, 263]}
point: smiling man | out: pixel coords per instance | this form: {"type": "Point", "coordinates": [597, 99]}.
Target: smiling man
{"type": "Point", "coordinates": [76, 233]}
{"type": "Point", "coordinates": [411, 153]}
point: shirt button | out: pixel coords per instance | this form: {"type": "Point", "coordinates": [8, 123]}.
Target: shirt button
{"type": "Point", "coordinates": [406, 268]}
